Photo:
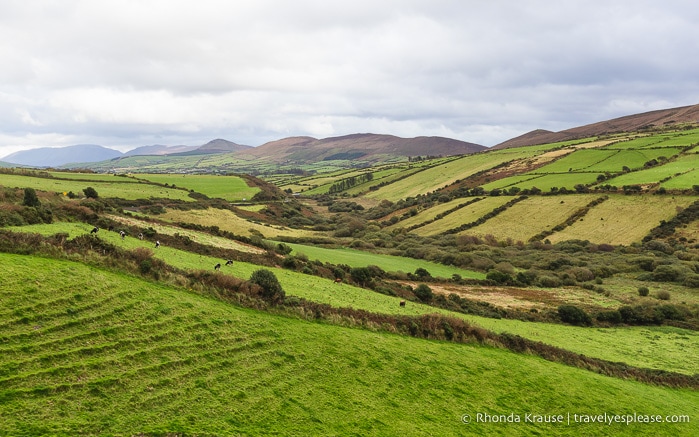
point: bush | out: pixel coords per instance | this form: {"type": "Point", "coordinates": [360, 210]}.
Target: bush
{"type": "Point", "coordinates": [424, 293]}
{"type": "Point", "coordinates": [498, 276]}
{"type": "Point", "coordinates": [90, 193]}
{"type": "Point", "coordinates": [272, 290]}
{"type": "Point", "coordinates": [30, 197]}
{"type": "Point", "coordinates": [574, 315]}
{"type": "Point", "coordinates": [663, 295]}
{"type": "Point", "coordinates": [609, 316]}
{"type": "Point", "coordinates": [643, 291]}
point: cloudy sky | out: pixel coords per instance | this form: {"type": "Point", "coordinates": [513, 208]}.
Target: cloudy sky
{"type": "Point", "coordinates": [127, 73]}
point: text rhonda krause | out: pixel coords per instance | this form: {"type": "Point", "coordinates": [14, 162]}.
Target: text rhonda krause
{"type": "Point", "coordinates": [570, 418]}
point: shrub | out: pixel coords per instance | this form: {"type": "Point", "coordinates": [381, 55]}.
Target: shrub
{"type": "Point", "coordinates": [30, 197]}
{"type": "Point", "coordinates": [643, 291]}
{"type": "Point", "coordinates": [663, 295]}
{"type": "Point", "coordinates": [498, 276]}
{"type": "Point", "coordinates": [90, 193]}
{"type": "Point", "coordinates": [609, 316]}
{"type": "Point", "coordinates": [272, 290]}
{"type": "Point", "coordinates": [574, 315]}
{"type": "Point", "coordinates": [423, 292]}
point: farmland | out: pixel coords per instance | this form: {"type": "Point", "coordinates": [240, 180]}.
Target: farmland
{"type": "Point", "coordinates": [120, 188]}
{"type": "Point", "coordinates": [108, 335]}
{"type": "Point", "coordinates": [232, 188]}
{"type": "Point", "coordinates": [66, 377]}
{"type": "Point", "coordinates": [613, 220]}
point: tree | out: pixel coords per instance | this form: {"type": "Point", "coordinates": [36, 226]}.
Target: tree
{"type": "Point", "coordinates": [423, 292]}
{"type": "Point", "coordinates": [272, 290]}
{"type": "Point", "coordinates": [91, 193]}
{"type": "Point", "coordinates": [30, 198]}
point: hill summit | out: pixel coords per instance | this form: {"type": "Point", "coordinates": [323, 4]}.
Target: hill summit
{"type": "Point", "coordinates": [628, 123]}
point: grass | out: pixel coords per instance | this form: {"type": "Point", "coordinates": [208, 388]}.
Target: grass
{"type": "Point", "coordinates": [616, 220]}
{"type": "Point", "coordinates": [228, 221]}
{"type": "Point", "coordinates": [123, 189]}
{"type": "Point", "coordinates": [428, 214]}
{"type": "Point", "coordinates": [628, 344]}
{"type": "Point", "coordinates": [232, 188]}
{"type": "Point", "coordinates": [463, 215]}
{"type": "Point", "coordinates": [531, 216]}
{"type": "Point", "coordinates": [358, 258]}
{"type": "Point", "coordinates": [90, 352]}
{"type": "Point", "coordinates": [445, 174]}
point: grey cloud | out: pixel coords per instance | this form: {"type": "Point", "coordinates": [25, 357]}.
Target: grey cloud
{"type": "Point", "coordinates": [122, 73]}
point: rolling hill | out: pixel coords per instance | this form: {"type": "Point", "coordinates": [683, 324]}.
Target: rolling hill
{"type": "Point", "coordinates": [57, 156]}
{"type": "Point", "coordinates": [364, 147]}
{"type": "Point", "coordinates": [629, 123]}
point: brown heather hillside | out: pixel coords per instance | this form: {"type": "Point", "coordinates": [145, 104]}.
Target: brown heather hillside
{"type": "Point", "coordinates": [629, 123]}
{"type": "Point", "coordinates": [359, 146]}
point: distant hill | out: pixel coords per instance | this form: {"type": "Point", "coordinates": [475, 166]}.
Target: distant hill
{"type": "Point", "coordinates": [629, 123]}
{"type": "Point", "coordinates": [364, 147]}
{"type": "Point", "coordinates": [215, 146]}
{"type": "Point", "coordinates": [159, 150]}
{"type": "Point", "coordinates": [56, 156]}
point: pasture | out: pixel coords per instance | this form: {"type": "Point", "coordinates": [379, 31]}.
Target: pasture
{"type": "Point", "coordinates": [228, 221]}
{"type": "Point", "coordinates": [231, 188]}
{"type": "Point", "coordinates": [533, 215]}
{"type": "Point", "coordinates": [668, 349]}
{"type": "Point", "coordinates": [467, 214]}
{"type": "Point", "coordinates": [618, 219]}
{"type": "Point", "coordinates": [358, 258]}
{"type": "Point", "coordinates": [95, 352]}
{"type": "Point", "coordinates": [671, 170]}
{"type": "Point", "coordinates": [445, 174]}
{"type": "Point", "coordinates": [123, 189]}
{"type": "Point", "coordinates": [428, 214]}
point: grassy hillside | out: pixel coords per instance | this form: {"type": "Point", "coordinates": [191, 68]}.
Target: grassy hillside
{"type": "Point", "coordinates": [665, 348]}
{"type": "Point", "coordinates": [117, 187]}
{"type": "Point", "coordinates": [231, 188]}
{"type": "Point", "coordinates": [86, 351]}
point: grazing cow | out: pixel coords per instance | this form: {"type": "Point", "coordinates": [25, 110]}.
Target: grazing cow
{"type": "Point", "coordinates": [402, 303]}
{"type": "Point", "coordinates": [229, 262]}
{"type": "Point", "coordinates": [111, 228]}
{"type": "Point", "coordinates": [217, 266]}
{"type": "Point", "coordinates": [123, 234]}
{"type": "Point", "coordinates": [94, 230]}
{"type": "Point", "coordinates": [140, 235]}
{"type": "Point", "coordinates": [157, 244]}
{"type": "Point", "coordinates": [338, 280]}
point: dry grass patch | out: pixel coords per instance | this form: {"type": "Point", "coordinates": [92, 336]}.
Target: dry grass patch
{"type": "Point", "coordinates": [623, 219]}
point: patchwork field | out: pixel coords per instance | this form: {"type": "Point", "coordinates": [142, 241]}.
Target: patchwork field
{"type": "Point", "coordinates": [531, 216]}
{"type": "Point", "coordinates": [616, 221]}
{"type": "Point", "coordinates": [461, 216]}
{"type": "Point", "coordinates": [123, 189]}
{"type": "Point", "coordinates": [232, 188]}
{"type": "Point", "coordinates": [669, 349]}
{"type": "Point", "coordinates": [228, 221]}
{"type": "Point", "coordinates": [124, 356]}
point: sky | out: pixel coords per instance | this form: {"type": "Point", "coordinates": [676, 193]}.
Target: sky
{"type": "Point", "coordinates": [129, 73]}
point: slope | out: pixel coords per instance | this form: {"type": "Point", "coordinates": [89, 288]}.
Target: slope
{"type": "Point", "coordinates": [87, 351]}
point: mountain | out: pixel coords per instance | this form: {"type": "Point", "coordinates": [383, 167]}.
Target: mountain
{"type": "Point", "coordinates": [364, 147]}
{"type": "Point", "coordinates": [215, 146]}
{"type": "Point", "coordinates": [628, 123]}
{"type": "Point", "coordinates": [56, 156]}
{"type": "Point", "coordinates": [158, 150]}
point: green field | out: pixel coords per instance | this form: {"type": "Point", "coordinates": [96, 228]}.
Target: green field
{"type": "Point", "coordinates": [683, 164]}
{"type": "Point", "coordinates": [616, 220]}
{"type": "Point", "coordinates": [668, 350]}
{"type": "Point", "coordinates": [232, 188]}
{"type": "Point", "coordinates": [558, 180]}
{"type": "Point", "coordinates": [358, 258]}
{"type": "Point", "coordinates": [90, 352]}
{"type": "Point", "coordinates": [446, 173]}
{"type": "Point", "coordinates": [120, 188]}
